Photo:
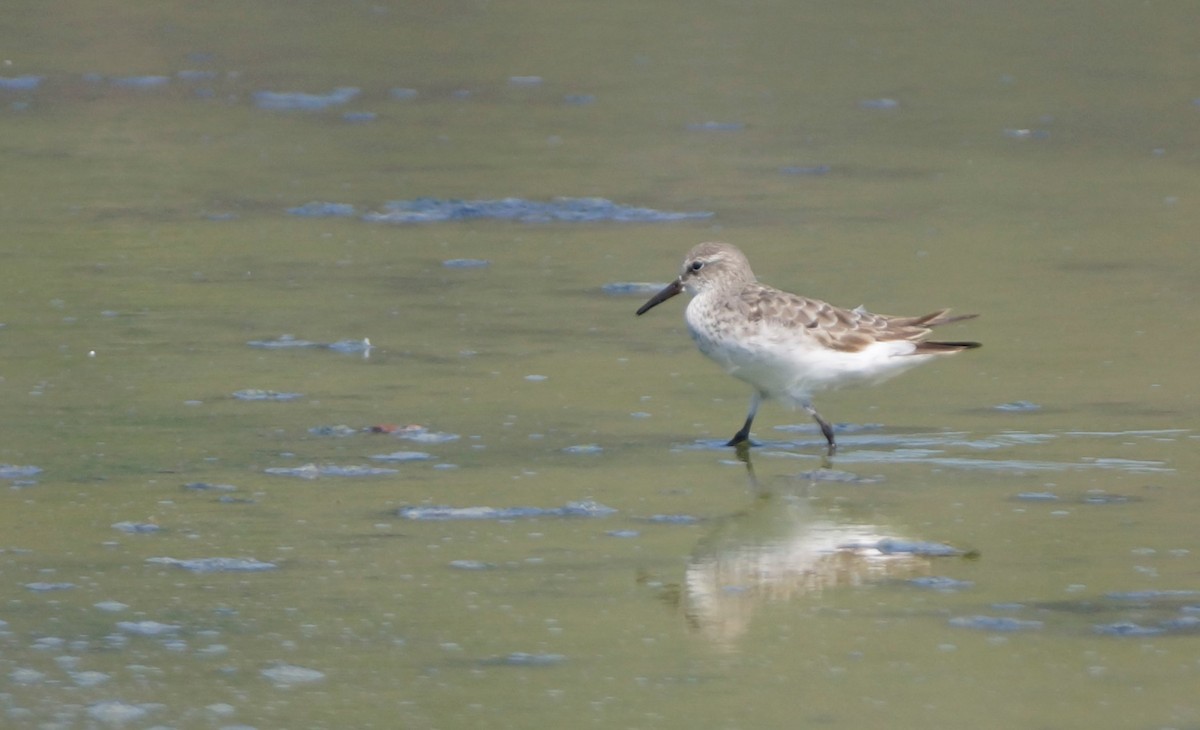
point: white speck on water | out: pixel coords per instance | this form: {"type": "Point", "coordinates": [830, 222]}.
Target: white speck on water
{"type": "Point", "coordinates": [147, 628]}
{"type": "Point", "coordinates": [216, 565]}
{"type": "Point", "coordinates": [22, 675]}
{"type": "Point", "coordinates": [470, 565]}
{"type": "Point", "coordinates": [466, 263]}
{"type": "Point", "coordinates": [221, 709]}
{"type": "Point", "coordinates": [584, 449]}
{"type": "Point", "coordinates": [49, 643]}
{"type": "Point", "coordinates": [116, 712]}
{"type": "Point", "coordinates": [403, 456]}
{"type": "Point", "coordinates": [213, 650]}
{"type": "Point", "coordinates": [89, 678]}
{"type": "Point", "coordinates": [423, 436]}
{"type": "Point", "coordinates": [134, 528]}
{"type": "Point", "coordinates": [44, 587]}
{"type": "Point", "coordinates": [284, 675]}
{"type": "Point", "coordinates": [67, 662]}
{"type": "Point", "coordinates": [1018, 406]}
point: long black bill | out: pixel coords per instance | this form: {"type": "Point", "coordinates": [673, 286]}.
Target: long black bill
{"type": "Point", "coordinates": [668, 291]}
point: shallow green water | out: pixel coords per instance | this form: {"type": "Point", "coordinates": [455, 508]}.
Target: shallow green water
{"type": "Point", "coordinates": [146, 242]}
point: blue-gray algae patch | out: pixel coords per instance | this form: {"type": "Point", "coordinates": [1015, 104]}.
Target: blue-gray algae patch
{"type": "Point", "coordinates": [897, 546]}
{"type": "Point", "coordinates": [303, 101]}
{"type": "Point", "coordinates": [806, 170]}
{"type": "Point", "coordinates": [46, 587]}
{"type": "Point", "coordinates": [1185, 623]}
{"type": "Point", "coordinates": [1092, 497]}
{"type": "Point", "coordinates": [632, 288]}
{"type": "Point", "coordinates": [13, 471]}
{"type": "Point", "coordinates": [1017, 406]}
{"type": "Point", "coordinates": [340, 430]}
{"type": "Point", "coordinates": [1036, 497]}
{"type": "Point", "coordinates": [425, 436]}
{"type": "Point", "coordinates": [403, 456]}
{"type": "Point", "coordinates": [555, 210]}
{"type": "Point", "coordinates": [147, 82]}
{"type": "Point", "coordinates": [148, 628]}
{"type": "Point", "coordinates": [524, 659]}
{"type": "Point", "coordinates": [940, 583]}
{"type": "Point", "coordinates": [418, 434]}
{"type": "Point", "coordinates": [136, 528]}
{"type": "Point", "coordinates": [584, 449]}
{"type": "Point", "coordinates": [1128, 628]}
{"type": "Point", "coordinates": [28, 82]}
{"type": "Point", "coordinates": [1150, 596]}
{"type": "Point", "coordinates": [320, 209]}
{"type": "Point", "coordinates": [216, 565]}
{"type": "Point", "coordinates": [283, 674]}
{"type": "Point", "coordinates": [585, 508]}
{"type": "Point", "coordinates": [315, 471]}
{"type": "Point", "coordinates": [256, 394]}
{"type": "Point", "coordinates": [837, 476]}
{"type": "Point", "coordinates": [1003, 624]}
{"type": "Point", "coordinates": [1120, 614]}
{"type": "Point", "coordinates": [118, 713]}
{"type": "Point", "coordinates": [471, 565]}
{"type": "Point", "coordinates": [291, 342]}
{"type": "Point", "coordinates": [670, 519]}
{"type": "Point", "coordinates": [207, 487]}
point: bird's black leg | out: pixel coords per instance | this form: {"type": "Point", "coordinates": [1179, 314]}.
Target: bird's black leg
{"type": "Point", "coordinates": [743, 434]}
{"type": "Point", "coordinates": [826, 429]}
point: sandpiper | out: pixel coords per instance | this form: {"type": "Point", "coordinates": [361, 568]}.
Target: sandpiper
{"type": "Point", "coordinates": [788, 347]}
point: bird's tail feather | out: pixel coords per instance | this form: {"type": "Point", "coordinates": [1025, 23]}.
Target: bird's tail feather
{"type": "Point", "coordinates": [938, 348]}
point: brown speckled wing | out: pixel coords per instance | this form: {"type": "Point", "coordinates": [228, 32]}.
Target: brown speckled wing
{"type": "Point", "coordinates": [846, 330]}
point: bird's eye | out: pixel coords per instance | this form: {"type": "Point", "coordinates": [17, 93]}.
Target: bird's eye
{"type": "Point", "coordinates": [697, 265]}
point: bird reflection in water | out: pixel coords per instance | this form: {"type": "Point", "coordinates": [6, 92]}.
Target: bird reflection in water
{"type": "Point", "coordinates": [782, 548]}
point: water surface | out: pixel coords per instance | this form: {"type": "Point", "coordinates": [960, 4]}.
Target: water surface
{"type": "Point", "coordinates": [206, 524]}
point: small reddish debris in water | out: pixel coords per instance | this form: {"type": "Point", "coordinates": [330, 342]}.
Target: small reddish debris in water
{"type": "Point", "coordinates": [395, 428]}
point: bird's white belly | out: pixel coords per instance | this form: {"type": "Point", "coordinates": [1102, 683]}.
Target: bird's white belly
{"type": "Point", "coordinates": [790, 366]}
